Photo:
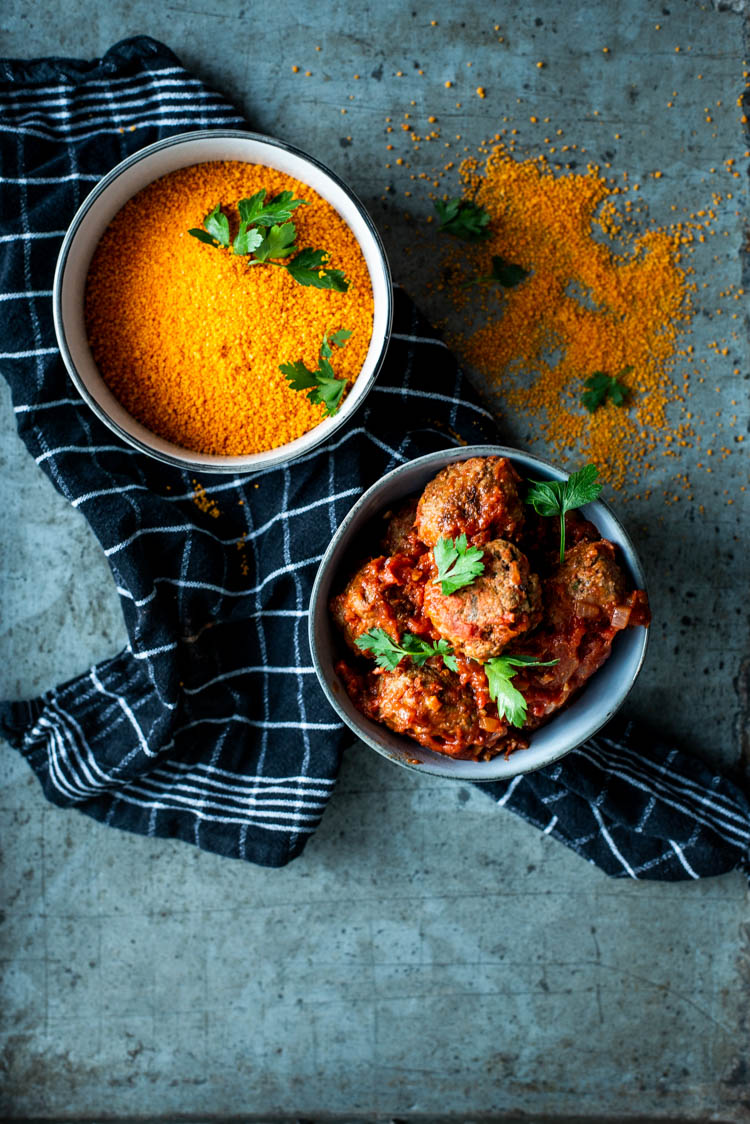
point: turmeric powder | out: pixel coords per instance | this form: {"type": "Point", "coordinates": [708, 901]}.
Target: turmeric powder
{"type": "Point", "coordinates": [189, 339]}
{"type": "Point", "coordinates": [595, 300]}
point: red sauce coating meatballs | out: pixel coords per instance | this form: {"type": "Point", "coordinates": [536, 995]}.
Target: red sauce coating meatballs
{"type": "Point", "coordinates": [481, 619]}
{"type": "Point", "coordinates": [525, 602]}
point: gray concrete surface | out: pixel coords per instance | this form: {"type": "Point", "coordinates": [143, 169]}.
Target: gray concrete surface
{"type": "Point", "coordinates": [427, 955]}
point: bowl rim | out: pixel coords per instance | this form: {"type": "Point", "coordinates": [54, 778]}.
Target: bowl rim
{"type": "Point", "coordinates": [442, 458]}
{"type": "Point", "coordinates": [244, 463]}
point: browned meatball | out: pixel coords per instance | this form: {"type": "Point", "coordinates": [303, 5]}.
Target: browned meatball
{"type": "Point", "coordinates": [376, 597]}
{"type": "Point", "coordinates": [477, 497]}
{"type": "Point", "coordinates": [482, 618]}
{"type": "Point", "coordinates": [432, 707]}
{"type": "Point", "coordinates": [589, 583]}
{"type": "Point", "coordinates": [401, 535]}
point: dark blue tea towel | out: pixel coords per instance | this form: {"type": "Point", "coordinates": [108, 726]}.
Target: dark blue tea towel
{"type": "Point", "coordinates": [210, 726]}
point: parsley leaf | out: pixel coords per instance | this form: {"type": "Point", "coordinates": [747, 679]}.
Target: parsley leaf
{"type": "Point", "coordinates": [389, 654]}
{"type": "Point", "coordinates": [216, 232]}
{"type": "Point", "coordinates": [250, 208]}
{"type": "Point", "coordinates": [506, 273]}
{"type": "Point", "coordinates": [300, 377]}
{"type": "Point", "coordinates": [600, 387]}
{"type": "Point", "coordinates": [322, 384]}
{"type": "Point", "coordinates": [457, 563]}
{"type": "Point", "coordinates": [443, 648]}
{"type": "Point", "coordinates": [330, 389]}
{"type": "Point", "coordinates": [278, 243]}
{"type": "Point", "coordinates": [276, 238]}
{"type": "Point", "coordinates": [256, 212]}
{"type": "Point", "coordinates": [246, 240]}
{"type": "Point", "coordinates": [510, 702]}
{"type": "Point", "coordinates": [340, 337]}
{"type": "Point", "coordinates": [309, 268]}
{"type": "Point", "coordinates": [503, 273]}
{"type": "Point", "coordinates": [555, 497]}
{"type": "Point", "coordinates": [463, 219]}
{"type": "Point", "coordinates": [582, 487]}
{"type": "Point", "coordinates": [202, 236]}
{"type": "Point", "coordinates": [379, 644]}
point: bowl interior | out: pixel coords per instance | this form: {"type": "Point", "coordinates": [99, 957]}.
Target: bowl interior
{"type": "Point", "coordinates": [113, 192]}
{"type": "Point", "coordinates": [600, 698]}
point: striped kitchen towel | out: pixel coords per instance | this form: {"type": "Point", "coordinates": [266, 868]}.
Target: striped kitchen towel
{"type": "Point", "coordinates": [210, 726]}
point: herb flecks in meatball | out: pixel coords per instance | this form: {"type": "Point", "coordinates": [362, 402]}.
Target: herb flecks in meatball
{"type": "Point", "coordinates": [481, 619]}
{"type": "Point", "coordinates": [478, 497]}
{"type": "Point", "coordinates": [589, 583]}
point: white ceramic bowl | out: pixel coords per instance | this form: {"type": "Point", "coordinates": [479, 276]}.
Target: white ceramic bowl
{"type": "Point", "coordinates": [599, 699]}
{"type": "Point", "coordinates": [113, 192]}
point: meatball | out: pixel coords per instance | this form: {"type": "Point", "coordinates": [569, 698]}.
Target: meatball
{"type": "Point", "coordinates": [541, 537]}
{"type": "Point", "coordinates": [401, 535]}
{"type": "Point", "coordinates": [482, 618]}
{"type": "Point", "coordinates": [378, 596]}
{"type": "Point", "coordinates": [432, 707]}
{"type": "Point", "coordinates": [588, 583]}
{"type": "Point", "coordinates": [478, 497]}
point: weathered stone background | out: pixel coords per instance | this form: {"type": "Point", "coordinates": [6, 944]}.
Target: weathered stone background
{"type": "Point", "coordinates": [428, 955]}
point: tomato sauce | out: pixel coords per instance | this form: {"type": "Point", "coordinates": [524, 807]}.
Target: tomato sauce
{"type": "Point", "coordinates": [584, 602]}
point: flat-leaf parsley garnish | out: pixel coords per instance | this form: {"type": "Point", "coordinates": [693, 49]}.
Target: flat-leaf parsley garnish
{"type": "Point", "coordinates": [256, 212]}
{"type": "Point", "coordinates": [503, 273]}
{"type": "Point", "coordinates": [458, 564]}
{"type": "Point", "coordinates": [600, 386]}
{"type": "Point", "coordinates": [266, 236]}
{"type": "Point", "coordinates": [322, 385]}
{"type": "Point", "coordinates": [279, 241]}
{"type": "Point", "coordinates": [310, 267]}
{"type": "Point", "coordinates": [506, 273]}
{"type": "Point", "coordinates": [555, 497]}
{"type": "Point", "coordinates": [388, 654]}
{"type": "Point", "coordinates": [463, 219]}
{"type": "Point", "coordinates": [338, 338]}
{"type": "Point", "coordinates": [216, 229]}
{"type": "Point", "coordinates": [509, 701]}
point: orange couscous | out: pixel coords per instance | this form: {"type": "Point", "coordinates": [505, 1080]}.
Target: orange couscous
{"type": "Point", "coordinates": [190, 338]}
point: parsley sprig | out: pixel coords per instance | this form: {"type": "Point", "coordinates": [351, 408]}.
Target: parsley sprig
{"type": "Point", "coordinates": [321, 384]}
{"type": "Point", "coordinates": [266, 235]}
{"type": "Point", "coordinates": [458, 564]}
{"type": "Point", "coordinates": [555, 497]}
{"type": "Point", "coordinates": [600, 387]}
{"type": "Point", "coordinates": [255, 211]}
{"type": "Point", "coordinates": [463, 219]}
{"type": "Point", "coordinates": [503, 273]}
{"type": "Point", "coordinates": [509, 701]}
{"type": "Point", "coordinates": [389, 654]}
{"type": "Point", "coordinates": [216, 229]}
{"type": "Point", "coordinates": [309, 267]}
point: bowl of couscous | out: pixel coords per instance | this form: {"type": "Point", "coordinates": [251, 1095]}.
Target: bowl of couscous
{"type": "Point", "coordinates": [222, 301]}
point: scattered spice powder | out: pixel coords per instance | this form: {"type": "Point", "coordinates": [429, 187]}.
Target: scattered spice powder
{"type": "Point", "coordinates": [599, 297]}
{"type": "Point", "coordinates": [189, 338]}
{"type": "Point", "coordinates": [204, 502]}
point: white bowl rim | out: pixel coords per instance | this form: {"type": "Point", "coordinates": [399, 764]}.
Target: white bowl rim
{"type": "Point", "coordinates": [246, 463]}
{"type": "Point", "coordinates": [515, 764]}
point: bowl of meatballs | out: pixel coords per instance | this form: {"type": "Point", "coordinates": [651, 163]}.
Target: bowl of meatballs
{"type": "Point", "coordinates": [463, 625]}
